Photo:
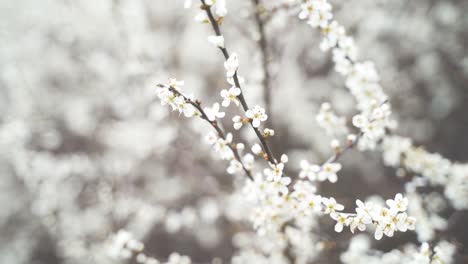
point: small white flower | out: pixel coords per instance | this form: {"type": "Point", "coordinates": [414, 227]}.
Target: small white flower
{"type": "Point", "coordinates": [306, 10]}
{"type": "Point", "coordinates": [383, 215]}
{"type": "Point", "coordinates": [364, 211]}
{"type": "Point", "coordinates": [237, 122]}
{"type": "Point", "coordinates": [335, 144]}
{"type": "Point", "coordinates": [399, 204]}
{"type": "Point", "coordinates": [234, 167]}
{"type": "Point", "coordinates": [167, 97]}
{"type": "Point", "coordinates": [202, 17]}
{"type": "Point", "coordinates": [357, 222]}
{"type": "Point", "coordinates": [313, 203]}
{"type": "Point", "coordinates": [351, 138]}
{"type": "Point", "coordinates": [240, 146]}
{"type": "Point", "coordinates": [387, 228]}
{"type": "Point", "coordinates": [333, 32]}
{"type": "Point", "coordinates": [331, 205]}
{"type": "Point", "coordinates": [248, 160]}
{"type": "Point", "coordinates": [281, 184]}
{"type": "Point", "coordinates": [304, 189]}
{"type": "Point", "coordinates": [257, 114]}
{"type": "Point", "coordinates": [218, 41]}
{"type": "Point", "coordinates": [275, 173]}
{"type": "Point", "coordinates": [230, 96]}
{"type": "Point", "coordinates": [187, 109]}
{"type": "Point", "coordinates": [360, 121]}
{"type": "Point", "coordinates": [309, 170]}
{"type": "Point", "coordinates": [328, 172]}
{"type": "Point", "coordinates": [256, 149]}
{"type": "Point", "coordinates": [221, 146]}
{"type": "Point", "coordinates": [341, 220]}
{"type": "Point", "coordinates": [284, 158]}
{"type": "Point", "coordinates": [174, 83]}
{"type": "Point", "coordinates": [220, 8]}
{"type": "Point", "coordinates": [213, 112]}
{"type": "Point", "coordinates": [231, 65]}
{"type": "Point", "coordinates": [333, 124]}
{"type": "Point", "coordinates": [267, 132]}
{"type": "Point", "coordinates": [411, 223]}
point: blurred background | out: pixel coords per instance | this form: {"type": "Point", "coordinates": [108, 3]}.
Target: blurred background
{"type": "Point", "coordinates": [86, 149]}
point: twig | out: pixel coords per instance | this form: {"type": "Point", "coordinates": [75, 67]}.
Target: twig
{"type": "Point", "coordinates": [214, 124]}
{"type": "Point", "coordinates": [241, 98]}
{"type": "Point", "coordinates": [263, 46]}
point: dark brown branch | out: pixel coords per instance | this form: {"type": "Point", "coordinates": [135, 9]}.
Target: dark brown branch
{"type": "Point", "coordinates": [214, 124]}
{"type": "Point", "coordinates": [241, 98]}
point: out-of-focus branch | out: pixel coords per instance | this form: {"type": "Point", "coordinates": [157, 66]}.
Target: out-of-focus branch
{"type": "Point", "coordinates": [263, 47]}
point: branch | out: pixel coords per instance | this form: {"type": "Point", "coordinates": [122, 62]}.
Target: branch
{"type": "Point", "coordinates": [262, 44]}
{"type": "Point", "coordinates": [241, 98]}
{"type": "Point", "coordinates": [214, 124]}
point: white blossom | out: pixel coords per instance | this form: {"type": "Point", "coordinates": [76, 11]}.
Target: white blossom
{"type": "Point", "coordinates": [231, 65]}
{"type": "Point", "coordinates": [237, 120]}
{"type": "Point", "coordinates": [256, 149]}
{"type": "Point", "coordinates": [257, 115]}
{"type": "Point", "coordinates": [234, 167]}
{"type": "Point", "coordinates": [218, 41]}
{"type": "Point", "coordinates": [213, 112]}
{"type": "Point", "coordinates": [230, 96]}
{"type": "Point", "coordinates": [329, 172]}
{"type": "Point", "coordinates": [331, 205]}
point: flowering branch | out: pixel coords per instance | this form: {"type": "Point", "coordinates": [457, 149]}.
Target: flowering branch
{"type": "Point", "coordinates": [374, 119]}
{"type": "Point", "coordinates": [278, 204]}
{"type": "Point", "coordinates": [240, 96]}
{"type": "Point", "coordinates": [203, 115]}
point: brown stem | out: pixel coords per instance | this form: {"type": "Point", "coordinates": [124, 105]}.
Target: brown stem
{"type": "Point", "coordinates": [241, 98]}
{"type": "Point", "coordinates": [262, 44]}
{"type": "Point", "coordinates": [214, 124]}
{"type": "Point", "coordinates": [348, 146]}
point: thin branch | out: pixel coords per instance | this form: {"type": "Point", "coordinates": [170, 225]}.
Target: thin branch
{"type": "Point", "coordinates": [340, 152]}
{"type": "Point", "coordinates": [214, 124]}
{"type": "Point", "coordinates": [263, 47]}
{"type": "Point", "coordinates": [272, 11]}
{"type": "Point", "coordinates": [241, 98]}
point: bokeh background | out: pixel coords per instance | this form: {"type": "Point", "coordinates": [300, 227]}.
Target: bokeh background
{"type": "Point", "coordinates": [86, 149]}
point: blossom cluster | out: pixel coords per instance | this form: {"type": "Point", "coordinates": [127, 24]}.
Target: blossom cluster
{"type": "Point", "coordinates": [275, 204]}
{"type": "Point", "coordinates": [125, 246]}
{"type": "Point", "coordinates": [436, 170]}
{"type": "Point", "coordinates": [313, 172]}
{"type": "Point", "coordinates": [387, 219]}
{"type": "Point", "coordinates": [278, 204]}
{"type": "Point", "coordinates": [359, 251]}
{"type": "Point", "coordinates": [333, 124]}
{"type": "Point", "coordinates": [270, 191]}
{"type": "Point", "coordinates": [427, 209]}
{"type": "Point", "coordinates": [362, 79]}
{"type": "Point", "coordinates": [221, 143]}
{"type": "Point", "coordinates": [174, 100]}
